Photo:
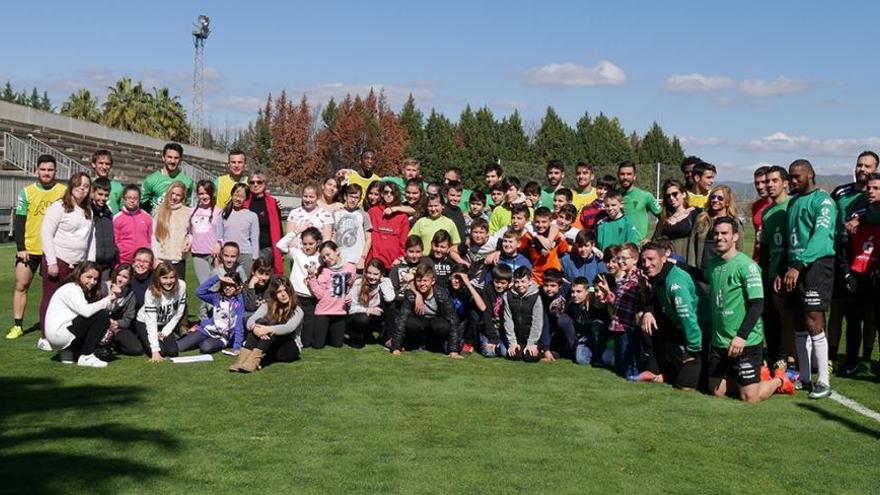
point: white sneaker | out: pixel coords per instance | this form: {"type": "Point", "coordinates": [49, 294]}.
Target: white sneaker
{"type": "Point", "coordinates": [91, 361]}
{"type": "Point", "coordinates": [66, 356]}
{"type": "Point", "coordinates": [44, 345]}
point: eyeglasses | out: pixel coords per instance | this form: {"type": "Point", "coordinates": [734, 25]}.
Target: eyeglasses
{"type": "Point", "coordinates": [388, 191]}
{"type": "Point", "coordinates": [717, 197]}
{"type": "Point", "coordinates": [255, 182]}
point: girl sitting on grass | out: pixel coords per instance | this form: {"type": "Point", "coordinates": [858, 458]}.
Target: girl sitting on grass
{"type": "Point", "coordinates": [163, 310]}
{"type": "Point", "coordinates": [227, 324]}
{"type": "Point", "coordinates": [369, 295]}
{"type": "Point", "coordinates": [274, 330]}
{"type": "Point", "coordinates": [123, 311]}
{"type": "Point", "coordinates": [303, 259]}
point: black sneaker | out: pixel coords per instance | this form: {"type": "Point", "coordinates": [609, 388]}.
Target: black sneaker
{"type": "Point", "coordinates": [820, 391]}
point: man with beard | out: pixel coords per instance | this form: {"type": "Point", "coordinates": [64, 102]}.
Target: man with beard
{"type": "Point", "coordinates": [809, 277]}
{"type": "Point", "coordinates": [759, 206]}
{"type": "Point", "coordinates": [850, 198]}
{"type": "Point", "coordinates": [555, 176]}
{"type": "Point", "coordinates": [637, 203]}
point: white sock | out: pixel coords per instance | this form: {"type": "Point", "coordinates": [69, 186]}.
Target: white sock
{"type": "Point", "coordinates": [804, 347]}
{"type": "Point", "coordinates": [820, 349]}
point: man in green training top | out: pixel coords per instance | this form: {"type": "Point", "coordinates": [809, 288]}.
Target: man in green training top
{"type": "Point", "coordinates": [102, 162]}
{"type": "Point", "coordinates": [615, 228]}
{"type": "Point", "coordinates": [637, 203]}
{"type": "Point", "coordinates": [679, 301]}
{"type": "Point", "coordinates": [809, 277]}
{"type": "Point", "coordinates": [555, 175]}
{"type": "Point", "coordinates": [155, 185]}
{"type": "Point", "coordinates": [736, 296]}
{"type": "Point", "coordinates": [777, 316]}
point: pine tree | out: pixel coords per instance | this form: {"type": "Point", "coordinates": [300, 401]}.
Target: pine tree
{"type": "Point", "coordinates": [609, 145]}
{"type": "Point", "coordinates": [655, 147]}
{"type": "Point", "coordinates": [479, 137]}
{"type": "Point", "coordinates": [8, 93]}
{"type": "Point", "coordinates": [583, 137]}
{"type": "Point", "coordinates": [555, 140]}
{"type": "Point", "coordinates": [45, 103]}
{"type": "Point", "coordinates": [34, 99]}
{"type": "Point", "coordinates": [513, 145]}
{"type": "Point", "coordinates": [412, 119]}
{"type": "Point", "coordinates": [440, 149]}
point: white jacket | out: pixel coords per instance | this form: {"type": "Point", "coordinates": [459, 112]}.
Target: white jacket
{"type": "Point", "coordinates": [67, 303]}
{"type": "Point", "coordinates": [164, 311]}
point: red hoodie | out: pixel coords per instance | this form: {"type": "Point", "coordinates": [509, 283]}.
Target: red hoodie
{"type": "Point", "coordinates": [389, 235]}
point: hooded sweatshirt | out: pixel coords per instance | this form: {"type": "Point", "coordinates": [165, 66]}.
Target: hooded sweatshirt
{"type": "Point", "coordinates": [523, 316]}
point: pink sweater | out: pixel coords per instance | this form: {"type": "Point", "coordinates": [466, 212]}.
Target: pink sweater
{"type": "Point", "coordinates": [132, 231]}
{"type": "Point", "coordinates": [330, 288]}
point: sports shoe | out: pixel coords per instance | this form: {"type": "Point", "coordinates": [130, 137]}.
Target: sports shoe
{"type": "Point", "coordinates": [765, 374]}
{"type": "Point", "coordinates": [14, 332]}
{"type": "Point", "coordinates": [851, 370]}
{"type": "Point", "coordinates": [467, 348]}
{"type": "Point", "coordinates": [65, 356]}
{"type": "Point", "coordinates": [91, 361]}
{"type": "Point", "coordinates": [820, 391]}
{"type": "Point", "coordinates": [44, 345]}
{"type": "Point", "coordinates": [787, 386]}
{"type": "Point", "coordinates": [647, 376]}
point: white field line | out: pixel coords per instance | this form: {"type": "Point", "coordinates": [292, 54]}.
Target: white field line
{"type": "Point", "coordinates": [855, 406]}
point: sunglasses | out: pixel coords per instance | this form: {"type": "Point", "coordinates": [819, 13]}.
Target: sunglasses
{"type": "Point", "coordinates": [717, 197]}
{"type": "Point", "coordinates": [255, 182]}
{"type": "Point", "coordinates": [672, 194]}
{"type": "Point", "coordinates": [388, 191]}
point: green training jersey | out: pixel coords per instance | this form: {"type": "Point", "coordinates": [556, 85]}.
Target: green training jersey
{"type": "Point", "coordinates": [810, 222]}
{"type": "Point", "coordinates": [848, 200]}
{"type": "Point", "coordinates": [732, 283]}
{"type": "Point", "coordinates": [547, 195]}
{"type": "Point", "coordinates": [773, 237]}
{"type": "Point", "coordinates": [637, 203]}
{"type": "Point", "coordinates": [616, 232]}
{"type": "Point", "coordinates": [157, 183]}
{"type": "Point", "coordinates": [680, 302]}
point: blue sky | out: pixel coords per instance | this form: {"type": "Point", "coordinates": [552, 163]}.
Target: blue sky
{"type": "Point", "coordinates": [743, 83]}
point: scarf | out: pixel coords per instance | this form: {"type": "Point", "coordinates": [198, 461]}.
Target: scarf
{"type": "Point", "coordinates": [274, 230]}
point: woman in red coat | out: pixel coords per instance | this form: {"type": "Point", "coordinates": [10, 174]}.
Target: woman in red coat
{"type": "Point", "coordinates": [390, 226]}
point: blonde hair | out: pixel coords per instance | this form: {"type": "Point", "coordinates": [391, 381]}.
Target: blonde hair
{"type": "Point", "coordinates": [163, 213]}
{"type": "Point", "coordinates": [704, 220]}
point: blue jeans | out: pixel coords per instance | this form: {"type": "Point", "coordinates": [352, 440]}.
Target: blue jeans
{"type": "Point", "coordinates": [499, 351]}
{"type": "Point", "coordinates": [626, 351]}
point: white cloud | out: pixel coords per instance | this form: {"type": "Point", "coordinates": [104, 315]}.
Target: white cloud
{"type": "Point", "coordinates": [396, 95]}
{"type": "Point", "coordinates": [780, 142]}
{"type": "Point", "coordinates": [605, 73]}
{"type": "Point", "coordinates": [697, 83]}
{"type": "Point", "coordinates": [244, 104]}
{"type": "Point", "coordinates": [510, 104]}
{"type": "Point", "coordinates": [774, 87]}
{"type": "Point", "coordinates": [705, 142]}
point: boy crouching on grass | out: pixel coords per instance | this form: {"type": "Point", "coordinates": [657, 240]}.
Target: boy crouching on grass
{"type": "Point", "coordinates": [523, 317]}
{"type": "Point", "coordinates": [493, 343]}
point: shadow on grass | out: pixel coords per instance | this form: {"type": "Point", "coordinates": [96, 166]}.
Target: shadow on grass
{"type": "Point", "coordinates": [852, 425]}
{"type": "Point", "coordinates": [63, 458]}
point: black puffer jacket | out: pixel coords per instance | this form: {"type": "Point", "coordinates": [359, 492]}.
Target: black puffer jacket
{"type": "Point", "coordinates": [106, 252]}
{"type": "Point", "coordinates": [445, 309]}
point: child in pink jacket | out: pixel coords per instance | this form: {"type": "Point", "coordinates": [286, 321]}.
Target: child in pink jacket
{"type": "Point", "coordinates": [330, 285]}
{"type": "Point", "coordinates": [132, 226]}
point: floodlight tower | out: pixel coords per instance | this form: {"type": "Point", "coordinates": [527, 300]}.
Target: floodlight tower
{"type": "Point", "coordinates": [200, 33]}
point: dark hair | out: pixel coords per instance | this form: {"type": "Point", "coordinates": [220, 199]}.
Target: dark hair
{"type": "Point", "coordinates": [626, 164]}
{"type": "Point", "coordinates": [131, 187]}
{"type": "Point", "coordinates": [236, 278]}
{"type": "Point", "coordinates": [372, 185]}
{"type": "Point", "coordinates": [607, 182]}
{"type": "Point", "coordinates": [231, 244]}
{"type": "Point", "coordinates": [654, 246]}
{"type": "Point", "coordinates": [480, 223]}
{"type": "Point", "coordinates": [703, 167]}
{"type": "Point", "coordinates": [582, 281]}
{"type": "Point", "coordinates": [478, 196]}
{"type": "Point", "coordinates": [353, 188]}
{"type": "Point", "coordinates": [172, 146]}
{"type": "Point", "coordinates": [664, 242]}
{"type": "Point", "coordinates": [424, 269]}
{"type": "Point", "coordinates": [667, 210]}
{"type": "Point", "coordinates": [101, 183]}
{"type": "Point", "coordinates": [434, 197]}
{"type": "Point", "coordinates": [94, 293]}
{"type": "Point", "coordinates": [164, 268]}
{"type": "Point", "coordinates": [493, 167]}
{"type": "Point", "coordinates": [121, 268]}
{"type": "Point", "coordinates": [556, 164]}
{"type": "Point", "coordinates": [552, 275]}
{"type": "Point", "coordinates": [779, 170]}
{"type": "Point", "coordinates": [585, 236]}
{"type": "Point", "coordinates": [522, 272]}
{"type": "Point", "coordinates": [762, 170]}
{"type": "Point", "coordinates": [99, 153]}
{"type": "Point", "coordinates": [453, 185]}
{"type": "Point", "coordinates": [67, 199]}
{"type": "Point", "coordinates": [566, 192]}
{"type": "Point", "coordinates": [418, 206]}
{"type": "Point", "coordinates": [728, 220]}
{"type": "Point", "coordinates": [586, 165]}
{"type": "Point", "coordinates": [227, 209]}
{"type": "Point", "coordinates": [455, 170]}
{"type": "Point", "coordinates": [144, 250]}
{"type": "Point", "coordinates": [208, 186]}
{"type": "Point", "coordinates": [873, 176]}
{"type": "Point", "coordinates": [509, 182]}
{"type": "Point", "coordinates": [543, 212]}
{"type": "Point", "coordinates": [502, 272]}
{"type": "Point", "coordinates": [368, 150]}
{"type": "Point", "coordinates": [47, 159]}
{"type": "Point", "coordinates": [691, 160]}
{"type": "Point", "coordinates": [328, 244]}
{"type": "Point", "coordinates": [871, 154]}
{"type": "Point", "coordinates": [610, 252]}
{"type": "Point", "coordinates": [519, 208]}
{"type": "Point", "coordinates": [395, 192]}
{"type": "Point", "coordinates": [460, 268]}
{"type": "Point", "coordinates": [312, 232]}
{"type": "Point", "coordinates": [441, 236]}
{"type": "Point", "coordinates": [364, 293]}
{"type": "Point", "coordinates": [413, 241]}
{"type": "Point", "coordinates": [277, 312]}
{"type": "Point", "coordinates": [570, 210]}
{"type": "Point", "coordinates": [237, 151]}
{"type": "Point", "coordinates": [613, 194]}
{"type": "Point", "coordinates": [498, 186]}
{"type": "Point", "coordinates": [261, 265]}
{"type": "Point", "coordinates": [532, 187]}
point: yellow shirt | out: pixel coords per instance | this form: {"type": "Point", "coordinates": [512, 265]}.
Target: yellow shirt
{"type": "Point", "coordinates": [698, 200]}
{"type": "Point", "coordinates": [579, 200]}
{"type": "Point", "coordinates": [223, 187]}
{"type": "Point", "coordinates": [32, 203]}
{"type": "Point", "coordinates": [356, 178]}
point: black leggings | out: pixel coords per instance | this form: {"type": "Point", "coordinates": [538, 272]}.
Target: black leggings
{"type": "Point", "coordinates": [329, 325]}
{"type": "Point", "coordinates": [282, 349]}
{"type": "Point", "coordinates": [430, 333]}
{"type": "Point", "coordinates": [88, 332]}
{"type": "Point", "coordinates": [308, 325]}
{"type": "Point", "coordinates": [361, 327]}
{"type": "Point", "coordinates": [135, 343]}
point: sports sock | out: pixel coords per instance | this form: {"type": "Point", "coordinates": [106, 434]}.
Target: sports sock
{"type": "Point", "coordinates": [19, 322]}
{"type": "Point", "coordinates": [804, 347]}
{"type": "Point", "coordinates": [820, 348]}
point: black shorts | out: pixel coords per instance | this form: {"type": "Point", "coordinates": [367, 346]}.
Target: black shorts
{"type": "Point", "coordinates": [33, 262]}
{"type": "Point", "coordinates": [815, 286]}
{"type": "Point", "coordinates": [747, 367]}
{"type": "Point", "coordinates": [689, 366]}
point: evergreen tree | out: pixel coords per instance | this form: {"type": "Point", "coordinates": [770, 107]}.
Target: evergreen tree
{"type": "Point", "coordinates": [328, 116]}
{"type": "Point", "coordinates": [45, 103]}
{"type": "Point", "coordinates": [655, 147]}
{"type": "Point", "coordinates": [412, 119]}
{"type": "Point", "coordinates": [583, 138]}
{"type": "Point", "coordinates": [8, 93]}
{"type": "Point", "coordinates": [513, 145]}
{"type": "Point", "coordinates": [555, 140]}
{"type": "Point", "coordinates": [609, 145]}
{"type": "Point", "coordinates": [440, 149]}
{"type": "Point", "coordinates": [479, 135]}
{"type": "Point", "coordinates": [34, 99]}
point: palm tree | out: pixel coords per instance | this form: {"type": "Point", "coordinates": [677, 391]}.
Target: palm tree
{"type": "Point", "coordinates": [169, 117]}
{"type": "Point", "coordinates": [81, 105]}
{"type": "Point", "coordinates": [129, 107]}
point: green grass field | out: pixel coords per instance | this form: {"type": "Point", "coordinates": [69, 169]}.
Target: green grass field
{"type": "Point", "coordinates": [363, 421]}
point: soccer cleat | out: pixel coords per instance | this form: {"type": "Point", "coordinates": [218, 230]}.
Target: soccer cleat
{"type": "Point", "coordinates": [787, 386]}
{"type": "Point", "coordinates": [647, 376]}
{"type": "Point", "coordinates": [44, 345]}
{"type": "Point", "coordinates": [765, 373]}
{"type": "Point", "coordinates": [467, 348]}
{"type": "Point", "coordinates": [90, 361]}
{"type": "Point", "coordinates": [820, 391]}
{"type": "Point", "coordinates": [851, 371]}
{"type": "Point", "coordinates": [65, 356]}
{"type": "Point", "coordinates": [805, 386]}
{"type": "Point", "coordinates": [14, 332]}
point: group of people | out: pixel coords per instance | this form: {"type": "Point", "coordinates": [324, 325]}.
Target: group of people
{"type": "Point", "coordinates": [526, 272]}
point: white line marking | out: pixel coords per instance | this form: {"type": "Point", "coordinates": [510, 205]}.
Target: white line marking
{"type": "Point", "coordinates": [855, 406]}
